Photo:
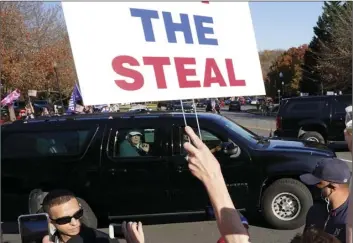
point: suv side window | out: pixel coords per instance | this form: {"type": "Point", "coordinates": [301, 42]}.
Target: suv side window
{"type": "Point", "coordinates": [340, 103]}
{"type": "Point", "coordinates": [211, 140]}
{"type": "Point", "coordinates": [312, 106]}
{"type": "Point", "coordinates": [207, 136]}
{"type": "Point", "coordinates": [136, 143]}
{"type": "Point", "coordinates": [43, 144]}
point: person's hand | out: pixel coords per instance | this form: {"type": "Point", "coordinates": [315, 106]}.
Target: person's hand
{"type": "Point", "coordinates": [348, 138]}
{"type": "Point", "coordinates": [202, 163]}
{"type": "Point", "coordinates": [218, 148]}
{"type": "Point", "coordinates": [145, 147]}
{"type": "Point", "coordinates": [133, 232]}
{"type": "Point", "coordinates": [46, 239]}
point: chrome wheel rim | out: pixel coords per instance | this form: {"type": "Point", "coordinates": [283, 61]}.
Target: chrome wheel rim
{"type": "Point", "coordinates": [286, 206]}
{"type": "Point", "coordinates": [313, 139]}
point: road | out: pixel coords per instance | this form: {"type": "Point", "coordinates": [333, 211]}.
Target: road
{"type": "Point", "coordinates": [206, 231]}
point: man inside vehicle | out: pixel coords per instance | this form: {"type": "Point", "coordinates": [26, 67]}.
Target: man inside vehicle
{"type": "Point", "coordinates": [65, 215]}
{"type": "Point", "coordinates": [133, 146]}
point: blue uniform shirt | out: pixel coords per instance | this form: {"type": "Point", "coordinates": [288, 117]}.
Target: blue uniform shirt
{"type": "Point", "coordinates": [333, 222]}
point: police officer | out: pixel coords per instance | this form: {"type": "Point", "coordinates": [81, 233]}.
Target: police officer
{"type": "Point", "coordinates": [331, 176]}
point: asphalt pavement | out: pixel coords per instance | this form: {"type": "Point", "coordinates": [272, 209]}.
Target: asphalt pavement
{"type": "Point", "coordinates": [206, 231]}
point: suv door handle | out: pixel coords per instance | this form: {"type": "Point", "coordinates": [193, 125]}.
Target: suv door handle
{"type": "Point", "coordinates": [179, 169]}
{"type": "Point", "coordinates": [113, 170]}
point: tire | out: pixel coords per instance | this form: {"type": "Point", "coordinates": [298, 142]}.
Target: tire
{"type": "Point", "coordinates": [314, 136]}
{"type": "Point", "coordinates": [295, 190]}
{"type": "Point", "coordinates": [36, 199]}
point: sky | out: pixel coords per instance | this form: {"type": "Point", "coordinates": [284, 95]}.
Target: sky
{"type": "Point", "coordinates": [281, 25]}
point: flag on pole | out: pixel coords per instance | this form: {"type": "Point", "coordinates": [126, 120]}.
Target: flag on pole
{"type": "Point", "coordinates": [75, 96]}
{"type": "Point", "coordinates": [9, 99]}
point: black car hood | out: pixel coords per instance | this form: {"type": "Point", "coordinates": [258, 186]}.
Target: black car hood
{"type": "Point", "coordinates": [276, 144]}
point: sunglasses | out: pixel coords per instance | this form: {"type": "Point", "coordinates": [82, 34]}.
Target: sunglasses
{"type": "Point", "coordinates": [67, 219]}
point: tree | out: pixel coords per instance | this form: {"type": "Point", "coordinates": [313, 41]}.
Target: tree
{"type": "Point", "coordinates": [33, 37]}
{"type": "Point", "coordinates": [45, 23]}
{"type": "Point", "coordinates": [14, 44]}
{"type": "Point", "coordinates": [335, 59]}
{"type": "Point", "coordinates": [267, 57]}
{"type": "Point", "coordinates": [312, 80]}
{"type": "Point", "coordinates": [290, 65]}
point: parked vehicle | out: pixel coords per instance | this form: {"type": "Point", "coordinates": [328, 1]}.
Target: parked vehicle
{"type": "Point", "coordinates": [227, 101]}
{"type": "Point", "coordinates": [87, 154]}
{"type": "Point", "coordinates": [234, 106]}
{"type": "Point", "coordinates": [139, 108]}
{"type": "Point", "coordinates": [248, 100]}
{"type": "Point", "coordinates": [314, 118]}
{"type": "Point", "coordinates": [257, 101]}
{"type": "Point", "coordinates": [201, 103]}
{"type": "Point", "coordinates": [175, 105]}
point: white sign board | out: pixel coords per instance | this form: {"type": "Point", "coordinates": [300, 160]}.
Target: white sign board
{"type": "Point", "coordinates": [32, 93]}
{"type": "Point", "coordinates": [133, 52]}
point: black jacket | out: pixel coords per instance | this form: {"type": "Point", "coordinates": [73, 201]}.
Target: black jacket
{"type": "Point", "coordinates": [88, 235]}
{"type": "Point", "coordinates": [332, 221]}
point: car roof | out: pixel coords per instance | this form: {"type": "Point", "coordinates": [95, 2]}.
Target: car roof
{"type": "Point", "coordinates": [314, 97]}
{"type": "Point", "coordinates": [116, 115]}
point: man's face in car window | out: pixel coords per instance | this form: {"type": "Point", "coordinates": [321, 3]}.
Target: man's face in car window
{"type": "Point", "coordinates": [136, 139]}
{"type": "Point", "coordinates": [63, 210]}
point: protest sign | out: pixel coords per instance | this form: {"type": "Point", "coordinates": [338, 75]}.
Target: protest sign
{"type": "Point", "coordinates": [32, 93]}
{"type": "Point", "coordinates": [133, 51]}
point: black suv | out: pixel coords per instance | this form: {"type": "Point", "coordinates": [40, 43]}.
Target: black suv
{"type": "Point", "coordinates": [234, 106]}
{"type": "Point", "coordinates": [314, 118]}
{"type": "Point", "coordinates": [175, 105]}
{"type": "Point", "coordinates": [100, 158]}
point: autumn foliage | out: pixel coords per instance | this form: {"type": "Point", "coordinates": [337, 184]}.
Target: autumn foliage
{"type": "Point", "coordinates": [32, 39]}
{"type": "Point", "coordinates": [286, 68]}
{"type": "Point", "coordinates": [267, 57]}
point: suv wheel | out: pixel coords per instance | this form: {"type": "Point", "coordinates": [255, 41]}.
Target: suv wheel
{"type": "Point", "coordinates": [314, 136]}
{"type": "Point", "coordinates": [285, 204]}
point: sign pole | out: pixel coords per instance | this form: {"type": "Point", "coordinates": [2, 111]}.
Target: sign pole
{"type": "Point", "coordinates": [58, 83]}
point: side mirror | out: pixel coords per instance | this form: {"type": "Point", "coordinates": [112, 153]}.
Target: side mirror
{"type": "Point", "coordinates": [230, 148]}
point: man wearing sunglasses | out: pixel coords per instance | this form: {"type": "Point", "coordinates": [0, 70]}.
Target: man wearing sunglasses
{"type": "Point", "coordinates": [65, 214]}
{"type": "Point", "coordinates": [332, 177]}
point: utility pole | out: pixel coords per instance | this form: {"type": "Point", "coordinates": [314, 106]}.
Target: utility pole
{"type": "Point", "coordinates": [58, 83]}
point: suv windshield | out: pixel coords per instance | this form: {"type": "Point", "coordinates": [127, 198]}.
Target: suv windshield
{"type": "Point", "coordinates": [240, 130]}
